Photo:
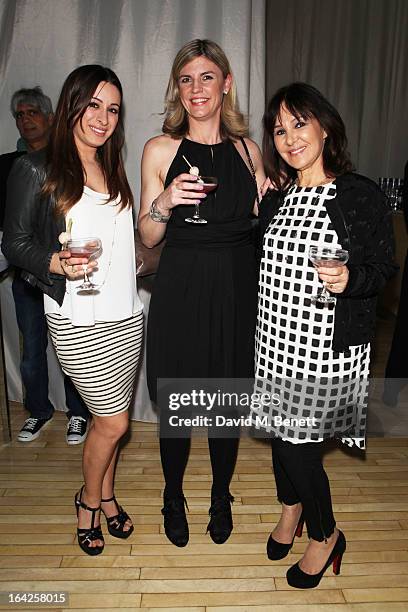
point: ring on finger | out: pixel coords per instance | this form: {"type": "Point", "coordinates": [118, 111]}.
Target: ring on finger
{"type": "Point", "coordinates": [331, 285]}
{"type": "Point", "coordinates": [73, 269]}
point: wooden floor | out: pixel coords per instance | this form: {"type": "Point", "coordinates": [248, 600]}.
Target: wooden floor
{"type": "Point", "coordinates": [38, 550]}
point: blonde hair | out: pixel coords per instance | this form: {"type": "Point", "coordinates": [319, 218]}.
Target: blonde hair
{"type": "Point", "coordinates": [233, 122]}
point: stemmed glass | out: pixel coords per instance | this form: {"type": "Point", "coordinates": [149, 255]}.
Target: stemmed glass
{"type": "Point", "coordinates": [327, 257]}
{"type": "Point", "coordinates": [85, 247]}
{"type": "Point", "coordinates": [209, 183]}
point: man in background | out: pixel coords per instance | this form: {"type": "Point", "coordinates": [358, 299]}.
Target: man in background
{"type": "Point", "coordinates": [32, 111]}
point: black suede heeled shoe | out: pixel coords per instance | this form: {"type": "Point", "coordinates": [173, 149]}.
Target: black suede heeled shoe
{"type": "Point", "coordinates": [175, 520]}
{"type": "Point", "coordinates": [87, 535]}
{"type": "Point", "coordinates": [276, 550]}
{"type": "Point", "coordinates": [220, 525]}
{"type": "Point", "coordinates": [299, 579]}
{"type": "Point", "coordinates": [116, 524]}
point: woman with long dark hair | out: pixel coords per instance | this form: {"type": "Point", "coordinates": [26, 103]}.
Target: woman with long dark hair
{"type": "Point", "coordinates": [316, 313]}
{"type": "Point", "coordinates": [203, 306]}
{"type": "Point", "coordinates": [75, 189]}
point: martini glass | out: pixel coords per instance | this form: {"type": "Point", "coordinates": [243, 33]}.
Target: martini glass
{"type": "Point", "coordinates": [85, 247]}
{"type": "Point", "coordinates": [209, 183]}
{"type": "Point", "coordinates": [327, 257]}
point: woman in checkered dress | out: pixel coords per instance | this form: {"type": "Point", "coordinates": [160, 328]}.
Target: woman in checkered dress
{"type": "Point", "coordinates": [312, 356]}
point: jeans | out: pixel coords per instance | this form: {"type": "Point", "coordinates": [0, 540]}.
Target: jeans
{"type": "Point", "coordinates": [29, 303]}
{"type": "Point", "coordinates": [300, 477]}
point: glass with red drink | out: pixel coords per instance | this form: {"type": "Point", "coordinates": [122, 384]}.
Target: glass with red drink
{"type": "Point", "coordinates": [209, 183]}
{"type": "Point", "coordinates": [85, 248]}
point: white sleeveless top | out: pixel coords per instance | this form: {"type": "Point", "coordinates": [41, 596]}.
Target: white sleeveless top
{"type": "Point", "coordinates": [116, 298]}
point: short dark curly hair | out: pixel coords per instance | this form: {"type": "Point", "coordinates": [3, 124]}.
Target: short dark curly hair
{"type": "Point", "coordinates": [304, 101]}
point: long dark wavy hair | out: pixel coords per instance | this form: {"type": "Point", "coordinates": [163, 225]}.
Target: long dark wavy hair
{"type": "Point", "coordinates": [304, 101]}
{"type": "Point", "coordinates": [65, 173]}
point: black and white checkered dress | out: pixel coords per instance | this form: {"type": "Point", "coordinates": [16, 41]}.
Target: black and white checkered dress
{"type": "Point", "coordinates": [318, 393]}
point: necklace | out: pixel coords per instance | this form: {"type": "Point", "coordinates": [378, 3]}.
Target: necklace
{"type": "Point", "coordinates": [110, 256]}
{"type": "Point", "coordinates": [328, 179]}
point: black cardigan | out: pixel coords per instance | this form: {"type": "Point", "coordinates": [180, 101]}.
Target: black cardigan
{"type": "Point", "coordinates": [363, 222]}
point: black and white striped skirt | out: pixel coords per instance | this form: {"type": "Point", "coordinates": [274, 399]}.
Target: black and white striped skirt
{"type": "Point", "coordinates": [100, 360]}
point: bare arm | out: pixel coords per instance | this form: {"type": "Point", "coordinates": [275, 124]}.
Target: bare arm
{"type": "Point", "coordinates": [257, 161]}
{"type": "Point", "coordinates": [184, 189]}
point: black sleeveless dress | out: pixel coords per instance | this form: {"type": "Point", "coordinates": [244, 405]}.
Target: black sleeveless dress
{"type": "Point", "coordinates": [203, 306]}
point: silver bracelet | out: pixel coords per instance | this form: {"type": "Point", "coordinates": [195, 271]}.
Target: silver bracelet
{"type": "Point", "coordinates": [156, 215]}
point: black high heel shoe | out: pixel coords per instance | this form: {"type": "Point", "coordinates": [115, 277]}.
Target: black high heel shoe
{"type": "Point", "coordinates": [175, 520]}
{"type": "Point", "coordinates": [88, 534]}
{"type": "Point", "coordinates": [276, 550]}
{"type": "Point", "coordinates": [220, 525]}
{"type": "Point", "coordinates": [116, 523]}
{"type": "Point", "coordinates": [299, 579]}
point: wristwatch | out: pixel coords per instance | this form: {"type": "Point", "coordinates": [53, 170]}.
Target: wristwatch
{"type": "Point", "coordinates": [156, 215]}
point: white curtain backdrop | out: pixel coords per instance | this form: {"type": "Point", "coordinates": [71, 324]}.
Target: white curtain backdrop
{"type": "Point", "coordinates": [41, 41]}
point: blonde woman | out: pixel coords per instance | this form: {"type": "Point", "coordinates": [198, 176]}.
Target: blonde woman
{"type": "Point", "coordinates": [203, 307]}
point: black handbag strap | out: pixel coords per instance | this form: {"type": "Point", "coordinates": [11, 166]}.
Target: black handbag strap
{"type": "Point", "coordinates": [251, 165]}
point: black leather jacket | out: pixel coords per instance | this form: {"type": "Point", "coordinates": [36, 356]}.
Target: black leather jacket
{"type": "Point", "coordinates": [363, 223]}
{"type": "Point", "coordinates": [31, 228]}
{"type": "Point", "coordinates": [6, 163]}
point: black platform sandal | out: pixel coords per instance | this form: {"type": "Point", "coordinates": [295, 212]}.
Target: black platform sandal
{"type": "Point", "coordinates": [87, 535]}
{"type": "Point", "coordinates": [116, 524]}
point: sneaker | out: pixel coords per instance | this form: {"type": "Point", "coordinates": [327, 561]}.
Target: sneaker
{"type": "Point", "coordinates": [31, 429]}
{"type": "Point", "coordinates": [77, 430]}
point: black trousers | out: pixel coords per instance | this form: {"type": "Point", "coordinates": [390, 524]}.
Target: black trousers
{"type": "Point", "coordinates": [300, 477]}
